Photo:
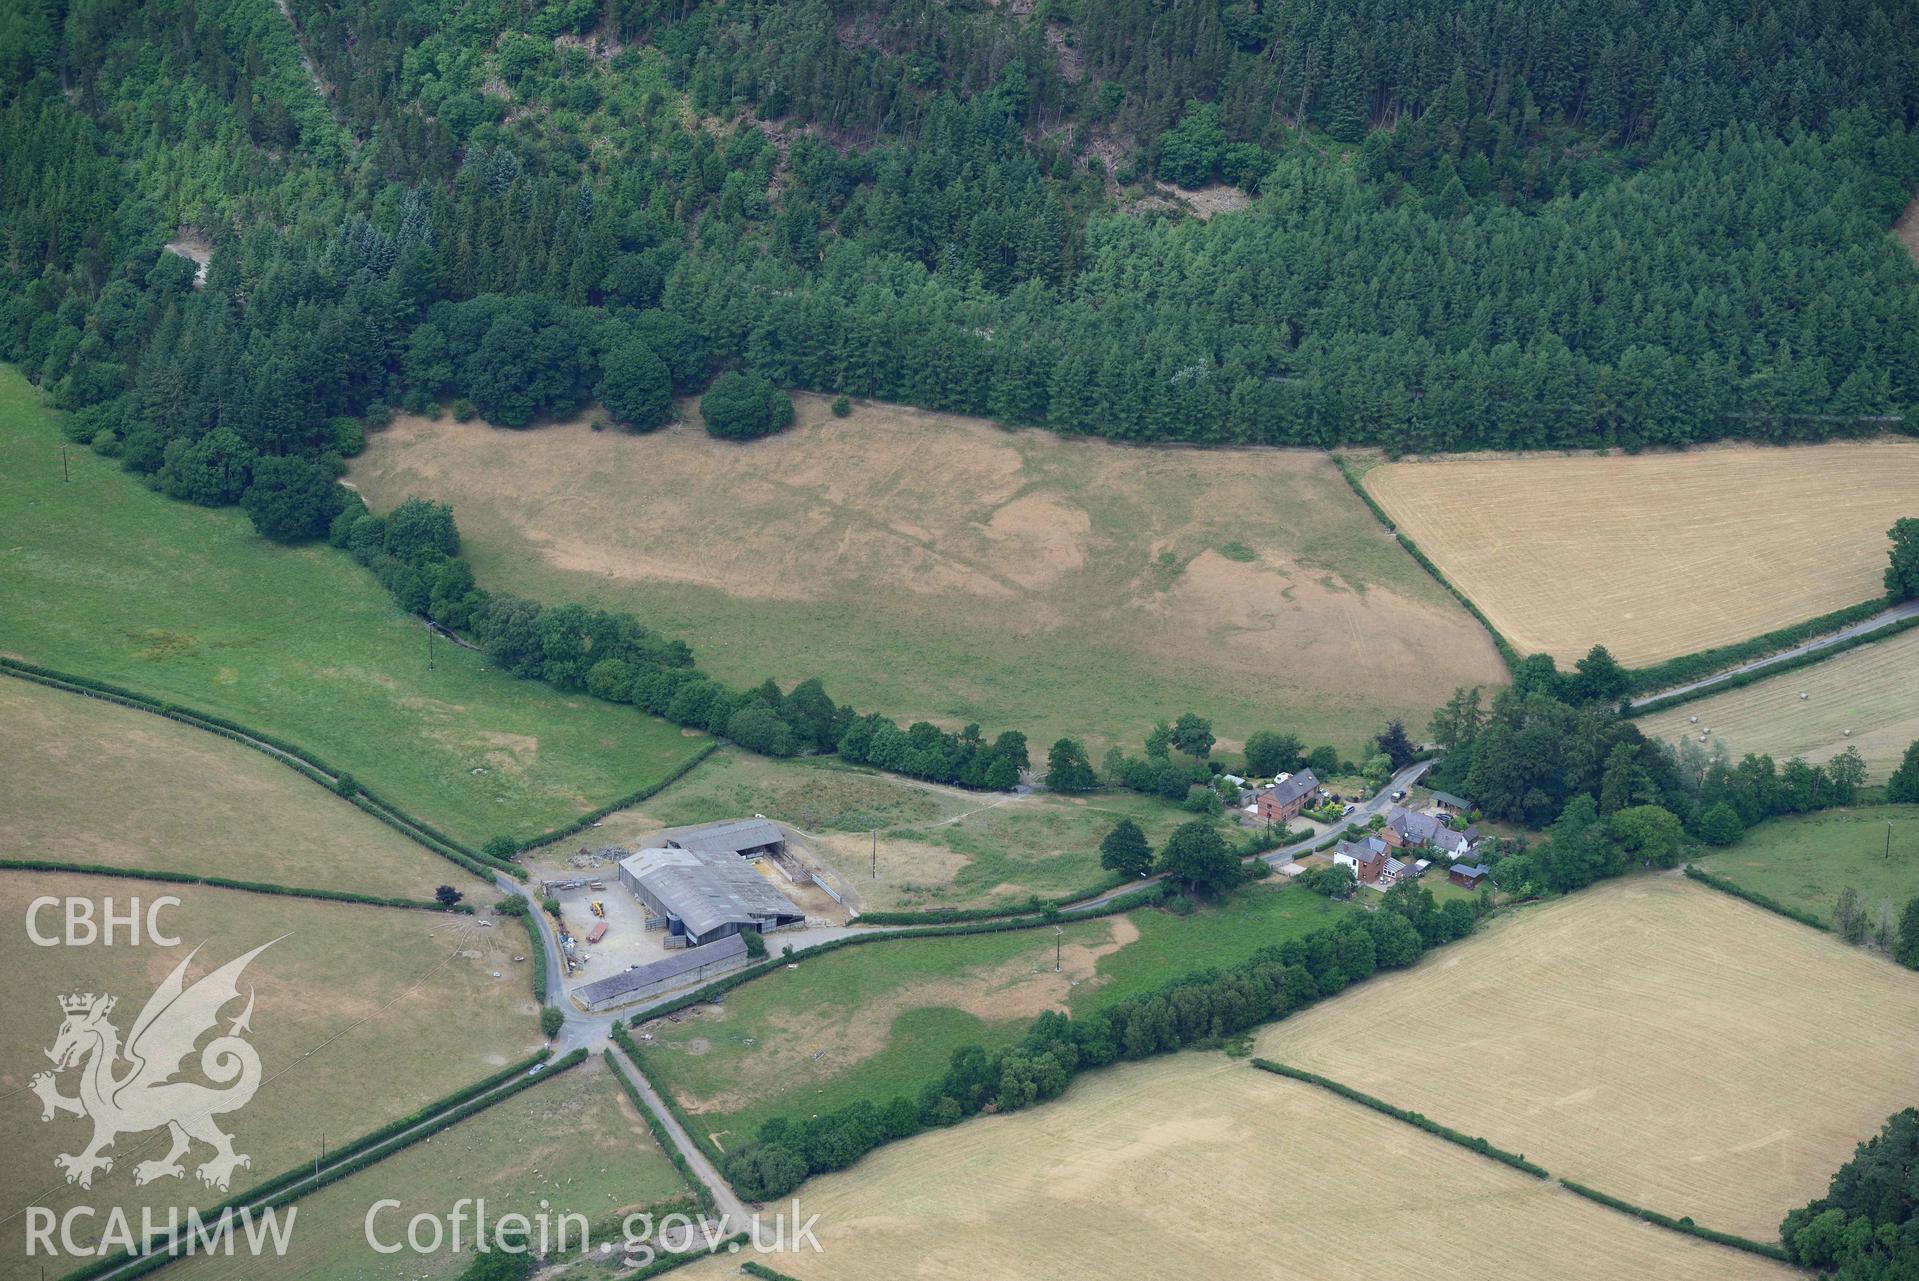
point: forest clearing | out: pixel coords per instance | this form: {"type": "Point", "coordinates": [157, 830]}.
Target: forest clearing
{"type": "Point", "coordinates": [942, 568]}
{"type": "Point", "coordinates": [1660, 554]}
{"type": "Point", "coordinates": [1655, 1039]}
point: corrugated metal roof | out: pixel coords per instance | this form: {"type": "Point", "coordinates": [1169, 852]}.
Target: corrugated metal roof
{"type": "Point", "coordinates": [706, 889]}
{"type": "Point", "coordinates": [676, 964]}
{"type": "Point", "coordinates": [739, 834]}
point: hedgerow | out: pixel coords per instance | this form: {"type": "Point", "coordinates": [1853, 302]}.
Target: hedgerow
{"type": "Point", "coordinates": [1206, 1007]}
{"type": "Point", "coordinates": [701, 1193]}
{"type": "Point", "coordinates": [1507, 653]}
{"type": "Point", "coordinates": [262, 1194]}
{"type": "Point", "coordinates": [1686, 1225]}
{"type": "Point", "coordinates": [1701, 663]}
{"type": "Point", "coordinates": [1757, 899]}
{"type": "Point", "coordinates": [228, 883]}
{"type": "Point", "coordinates": [1740, 680]}
{"type": "Point", "coordinates": [631, 799]}
{"type": "Point", "coordinates": [298, 759]}
{"type": "Point", "coordinates": [1426, 1123]}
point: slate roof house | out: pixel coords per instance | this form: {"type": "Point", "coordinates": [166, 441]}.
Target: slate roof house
{"type": "Point", "coordinates": [692, 965]}
{"type": "Point", "coordinates": [1408, 830]}
{"type": "Point", "coordinates": [1282, 802]}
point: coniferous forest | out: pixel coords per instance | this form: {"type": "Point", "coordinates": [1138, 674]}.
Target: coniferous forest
{"type": "Point", "coordinates": [1507, 223]}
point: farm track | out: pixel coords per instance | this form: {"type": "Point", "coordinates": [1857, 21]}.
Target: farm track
{"type": "Point", "coordinates": [1897, 614]}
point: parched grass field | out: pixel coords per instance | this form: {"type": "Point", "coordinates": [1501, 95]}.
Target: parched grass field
{"type": "Point", "coordinates": [1651, 1038]}
{"type": "Point", "coordinates": [93, 782]}
{"type": "Point", "coordinates": [106, 579]}
{"type": "Point", "coordinates": [1199, 1165]}
{"type": "Point", "coordinates": [938, 567]}
{"type": "Point", "coordinates": [575, 1144]}
{"type": "Point", "coordinates": [1872, 690]}
{"type": "Point", "coordinates": [1806, 861]}
{"type": "Point", "coordinates": [882, 1019]}
{"type": "Point", "coordinates": [1656, 555]}
{"type": "Point", "coordinates": [937, 846]}
{"type": "Point", "coordinates": [362, 1014]}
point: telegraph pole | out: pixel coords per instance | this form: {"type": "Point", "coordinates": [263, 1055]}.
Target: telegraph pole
{"type": "Point", "coordinates": [429, 647]}
{"type": "Point", "coordinates": [1059, 934]}
{"type": "Point", "coordinates": [1888, 838]}
{"type": "Point", "coordinates": [876, 853]}
{"type": "Point", "coordinates": [66, 474]}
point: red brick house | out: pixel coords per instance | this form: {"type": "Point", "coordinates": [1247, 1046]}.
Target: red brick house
{"type": "Point", "coordinates": [1282, 802]}
{"type": "Point", "coordinates": [1368, 859]}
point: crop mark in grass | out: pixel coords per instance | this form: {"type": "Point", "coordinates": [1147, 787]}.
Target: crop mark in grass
{"type": "Point", "coordinates": [154, 644]}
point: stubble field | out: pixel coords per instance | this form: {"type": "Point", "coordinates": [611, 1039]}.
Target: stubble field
{"type": "Point", "coordinates": [1656, 555]}
{"type": "Point", "coordinates": [1652, 1038]}
{"type": "Point", "coordinates": [1872, 690]}
{"type": "Point", "coordinates": [93, 782]}
{"type": "Point", "coordinates": [938, 567]}
{"type": "Point", "coordinates": [1200, 1165]}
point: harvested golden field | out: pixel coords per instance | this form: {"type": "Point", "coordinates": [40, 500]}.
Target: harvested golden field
{"type": "Point", "coordinates": [1201, 1165]}
{"type": "Point", "coordinates": [1651, 1038]}
{"type": "Point", "coordinates": [1872, 691]}
{"type": "Point", "coordinates": [93, 782]}
{"type": "Point", "coordinates": [938, 567]}
{"type": "Point", "coordinates": [361, 1015]}
{"type": "Point", "coordinates": [1660, 554]}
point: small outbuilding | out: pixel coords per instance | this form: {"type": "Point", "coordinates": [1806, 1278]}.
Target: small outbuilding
{"type": "Point", "coordinates": [694, 965]}
{"type": "Point", "coordinates": [1468, 874]}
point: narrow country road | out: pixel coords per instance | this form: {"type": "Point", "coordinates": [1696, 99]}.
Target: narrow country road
{"type": "Point", "coordinates": [1886, 618]}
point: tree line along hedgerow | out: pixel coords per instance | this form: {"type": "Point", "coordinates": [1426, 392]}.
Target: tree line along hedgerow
{"type": "Point", "coordinates": [1685, 1224]}
{"type": "Point", "coordinates": [1201, 1008]}
{"type": "Point", "coordinates": [228, 883]}
{"type": "Point", "coordinates": [298, 759]}
{"type": "Point", "coordinates": [696, 1186]}
{"type": "Point", "coordinates": [260, 1194]}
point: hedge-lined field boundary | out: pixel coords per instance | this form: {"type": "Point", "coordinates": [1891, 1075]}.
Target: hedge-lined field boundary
{"type": "Point", "coordinates": [1739, 680]}
{"type": "Point", "coordinates": [1703, 663]}
{"type": "Point", "coordinates": [753, 1268]}
{"type": "Point", "coordinates": [274, 1191]}
{"type": "Point", "coordinates": [228, 883]}
{"type": "Point", "coordinates": [1507, 653]}
{"type": "Point", "coordinates": [631, 799]}
{"type": "Point", "coordinates": [1686, 1225]}
{"type": "Point", "coordinates": [536, 954]}
{"type": "Point", "coordinates": [1472, 1143]}
{"type": "Point", "coordinates": [301, 761]}
{"type": "Point", "coordinates": [957, 915]}
{"type": "Point", "coordinates": [1757, 899]}
{"type": "Point", "coordinates": [668, 1262]}
{"type": "Point", "coordinates": [624, 1039]}
{"type": "Point", "coordinates": [702, 1195]}
{"type": "Point", "coordinates": [700, 995]}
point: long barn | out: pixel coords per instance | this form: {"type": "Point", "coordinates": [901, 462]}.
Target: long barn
{"type": "Point", "coordinates": [706, 894]}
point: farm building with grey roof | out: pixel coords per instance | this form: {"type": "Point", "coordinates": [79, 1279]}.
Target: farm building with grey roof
{"type": "Point", "coordinates": [705, 895]}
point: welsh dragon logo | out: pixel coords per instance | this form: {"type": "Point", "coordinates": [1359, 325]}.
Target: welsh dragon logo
{"type": "Point", "coordinates": [143, 1095]}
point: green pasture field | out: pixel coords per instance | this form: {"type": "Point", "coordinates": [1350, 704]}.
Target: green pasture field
{"type": "Point", "coordinates": [883, 1019]}
{"type": "Point", "coordinates": [1806, 861]}
{"type": "Point", "coordinates": [108, 580]}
